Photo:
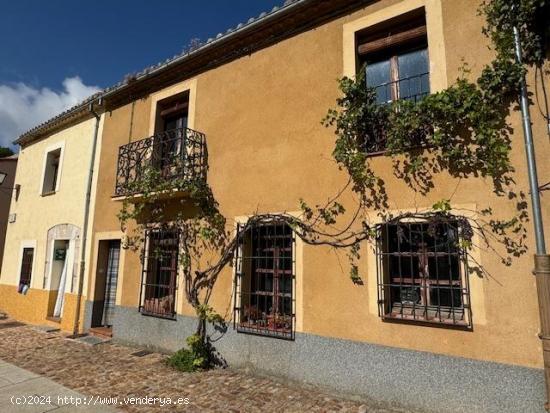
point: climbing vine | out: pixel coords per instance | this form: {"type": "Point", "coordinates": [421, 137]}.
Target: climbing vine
{"type": "Point", "coordinates": [531, 19]}
{"type": "Point", "coordinates": [461, 130]}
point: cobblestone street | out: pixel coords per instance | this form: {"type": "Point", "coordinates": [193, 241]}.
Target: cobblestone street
{"type": "Point", "coordinates": [109, 370]}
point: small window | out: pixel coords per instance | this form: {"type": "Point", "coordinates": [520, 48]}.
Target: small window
{"type": "Point", "coordinates": [395, 57]}
{"type": "Point", "coordinates": [26, 269]}
{"type": "Point", "coordinates": [422, 274]}
{"type": "Point", "coordinates": [51, 172]}
{"type": "Point", "coordinates": [160, 270]}
{"type": "Point", "coordinates": [264, 301]}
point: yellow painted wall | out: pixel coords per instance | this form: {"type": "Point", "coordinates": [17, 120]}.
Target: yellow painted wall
{"type": "Point", "coordinates": [267, 149]}
{"type": "Point", "coordinates": [33, 306]}
{"type": "Point", "coordinates": [36, 214]}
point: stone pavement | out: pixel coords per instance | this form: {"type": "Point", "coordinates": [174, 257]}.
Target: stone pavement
{"type": "Point", "coordinates": [112, 371]}
{"type": "Point", "coordinates": [23, 391]}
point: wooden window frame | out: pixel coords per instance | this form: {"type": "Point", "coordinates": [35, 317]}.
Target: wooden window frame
{"type": "Point", "coordinates": [389, 39]}
{"type": "Point", "coordinates": [393, 40]}
{"type": "Point", "coordinates": [50, 188]}
{"type": "Point", "coordinates": [170, 106]}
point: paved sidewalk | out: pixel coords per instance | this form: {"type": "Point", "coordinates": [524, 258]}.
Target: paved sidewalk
{"type": "Point", "coordinates": [23, 391]}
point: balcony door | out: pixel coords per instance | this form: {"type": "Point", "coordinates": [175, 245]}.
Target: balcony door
{"type": "Point", "coordinates": [171, 133]}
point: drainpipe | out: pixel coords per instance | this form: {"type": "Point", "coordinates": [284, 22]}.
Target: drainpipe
{"type": "Point", "coordinates": [542, 259]}
{"type": "Point", "coordinates": [86, 216]}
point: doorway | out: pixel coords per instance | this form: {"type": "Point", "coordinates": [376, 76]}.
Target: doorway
{"type": "Point", "coordinates": [60, 276]}
{"type": "Point", "coordinates": [106, 281]}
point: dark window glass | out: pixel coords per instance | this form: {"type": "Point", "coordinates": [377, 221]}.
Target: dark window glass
{"type": "Point", "coordinates": [413, 74]}
{"type": "Point", "coordinates": [403, 75]}
{"type": "Point", "coordinates": [26, 267]}
{"type": "Point", "coordinates": [379, 77]}
{"type": "Point", "coordinates": [178, 121]}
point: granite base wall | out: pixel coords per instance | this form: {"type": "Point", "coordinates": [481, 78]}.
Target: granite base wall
{"type": "Point", "coordinates": [418, 380]}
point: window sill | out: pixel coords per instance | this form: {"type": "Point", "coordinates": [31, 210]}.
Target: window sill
{"type": "Point", "coordinates": [280, 333]}
{"type": "Point", "coordinates": [422, 321]}
{"type": "Point", "coordinates": [157, 196]}
{"type": "Point", "coordinates": [385, 152]}
{"type": "Point", "coordinates": [49, 193]}
{"type": "Point", "coordinates": [171, 317]}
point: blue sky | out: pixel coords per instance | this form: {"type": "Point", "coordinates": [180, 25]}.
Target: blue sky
{"type": "Point", "coordinates": [54, 52]}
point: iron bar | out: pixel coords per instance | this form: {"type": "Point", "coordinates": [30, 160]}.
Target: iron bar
{"type": "Point", "coordinates": [422, 274]}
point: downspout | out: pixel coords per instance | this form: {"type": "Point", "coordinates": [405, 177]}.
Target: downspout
{"type": "Point", "coordinates": [542, 259]}
{"type": "Point", "coordinates": [86, 216]}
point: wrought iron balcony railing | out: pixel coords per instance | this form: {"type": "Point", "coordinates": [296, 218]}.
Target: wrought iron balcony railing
{"type": "Point", "coordinates": [175, 154]}
{"type": "Point", "coordinates": [412, 89]}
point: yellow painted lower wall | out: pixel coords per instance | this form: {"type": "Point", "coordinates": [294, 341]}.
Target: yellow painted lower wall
{"type": "Point", "coordinates": [33, 307]}
{"type": "Point", "coordinates": [69, 309]}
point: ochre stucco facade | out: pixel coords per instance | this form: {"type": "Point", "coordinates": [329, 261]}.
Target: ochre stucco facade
{"type": "Point", "coordinates": [267, 149]}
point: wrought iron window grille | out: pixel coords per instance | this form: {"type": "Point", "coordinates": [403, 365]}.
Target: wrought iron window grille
{"type": "Point", "coordinates": [265, 281]}
{"type": "Point", "coordinates": [422, 273]}
{"type": "Point", "coordinates": [159, 282]}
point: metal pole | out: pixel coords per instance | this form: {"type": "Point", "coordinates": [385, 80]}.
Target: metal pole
{"type": "Point", "coordinates": [542, 259]}
{"type": "Point", "coordinates": [87, 202]}
{"type": "Point", "coordinates": [530, 152]}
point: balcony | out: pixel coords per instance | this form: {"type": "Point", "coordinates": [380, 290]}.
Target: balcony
{"type": "Point", "coordinates": [412, 89]}
{"type": "Point", "coordinates": [178, 155]}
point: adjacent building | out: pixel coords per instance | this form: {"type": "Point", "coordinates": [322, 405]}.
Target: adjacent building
{"type": "Point", "coordinates": [246, 107]}
{"type": "Point", "coordinates": [43, 248]}
{"type": "Point", "coordinates": [8, 166]}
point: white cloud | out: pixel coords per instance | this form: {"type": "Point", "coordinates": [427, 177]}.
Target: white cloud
{"type": "Point", "coordinates": [22, 107]}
